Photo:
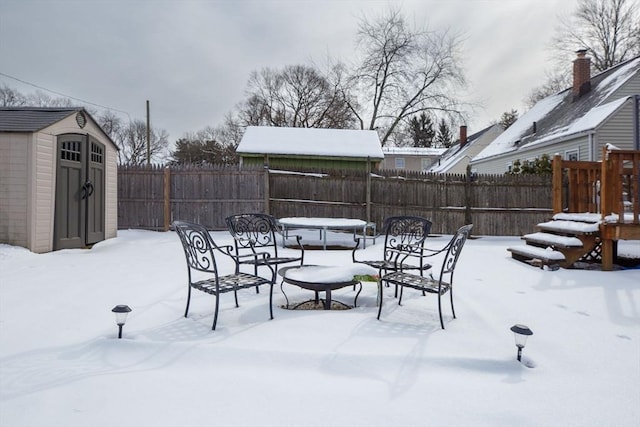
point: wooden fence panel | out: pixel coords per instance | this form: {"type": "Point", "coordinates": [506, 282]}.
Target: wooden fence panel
{"type": "Point", "coordinates": [496, 204]}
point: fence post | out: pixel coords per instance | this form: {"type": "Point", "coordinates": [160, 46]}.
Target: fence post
{"type": "Point", "coordinates": [467, 197]}
{"type": "Point", "coordinates": [556, 169]}
{"type": "Point", "coordinates": [267, 191]}
{"type": "Point", "coordinates": [167, 198]}
{"type": "Point", "coordinates": [368, 190]}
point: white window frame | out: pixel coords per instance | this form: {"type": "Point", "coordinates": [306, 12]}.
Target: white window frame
{"type": "Point", "coordinates": [569, 153]}
{"type": "Point", "coordinates": [400, 163]}
{"type": "Point", "coordinates": [425, 163]}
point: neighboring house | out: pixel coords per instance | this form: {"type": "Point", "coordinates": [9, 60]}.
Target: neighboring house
{"type": "Point", "coordinates": [58, 179]}
{"type": "Point", "coordinates": [291, 148]}
{"type": "Point", "coordinates": [456, 158]}
{"type": "Point", "coordinates": [575, 123]}
{"type": "Point", "coordinates": [417, 159]}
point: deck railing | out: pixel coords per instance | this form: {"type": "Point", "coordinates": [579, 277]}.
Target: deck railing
{"type": "Point", "coordinates": [610, 187]}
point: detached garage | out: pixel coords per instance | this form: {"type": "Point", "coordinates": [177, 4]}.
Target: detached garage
{"type": "Point", "coordinates": [58, 178]}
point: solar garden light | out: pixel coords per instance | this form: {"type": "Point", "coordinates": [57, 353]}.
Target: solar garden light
{"type": "Point", "coordinates": [121, 311]}
{"type": "Point", "coordinates": [521, 333]}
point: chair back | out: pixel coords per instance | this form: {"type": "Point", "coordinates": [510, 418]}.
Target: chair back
{"type": "Point", "coordinates": [454, 247]}
{"type": "Point", "coordinates": [198, 247]}
{"type": "Point", "coordinates": [404, 233]}
{"type": "Point", "coordinates": [253, 230]}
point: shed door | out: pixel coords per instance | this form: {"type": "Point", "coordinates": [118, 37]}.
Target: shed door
{"type": "Point", "coordinates": [95, 197]}
{"type": "Point", "coordinates": [79, 204]}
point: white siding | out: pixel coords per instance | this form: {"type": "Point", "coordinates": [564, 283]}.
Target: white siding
{"type": "Point", "coordinates": [111, 192]}
{"type": "Point", "coordinates": [618, 130]}
{"type": "Point", "coordinates": [14, 165]}
{"type": "Point", "coordinates": [42, 193]}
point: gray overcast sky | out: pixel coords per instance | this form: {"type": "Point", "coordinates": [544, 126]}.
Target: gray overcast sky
{"type": "Point", "coordinates": [191, 59]}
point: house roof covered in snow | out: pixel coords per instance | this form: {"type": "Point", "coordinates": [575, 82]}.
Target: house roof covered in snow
{"type": "Point", "coordinates": [562, 116]}
{"type": "Point", "coordinates": [32, 119]}
{"type": "Point", "coordinates": [285, 141]}
{"type": "Point", "coordinates": [457, 152]}
{"type": "Point", "coordinates": [414, 151]}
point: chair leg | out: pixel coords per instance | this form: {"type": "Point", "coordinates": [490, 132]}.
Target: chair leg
{"type": "Point", "coordinates": [440, 311]}
{"type": "Point", "coordinates": [451, 297]}
{"type": "Point", "coordinates": [215, 313]}
{"type": "Point", "coordinates": [271, 300]}
{"type": "Point", "coordinates": [186, 311]}
{"type": "Point", "coordinates": [235, 295]}
{"type": "Point", "coordinates": [379, 298]}
{"type": "Point", "coordinates": [401, 292]}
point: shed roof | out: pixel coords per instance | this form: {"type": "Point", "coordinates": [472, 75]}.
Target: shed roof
{"type": "Point", "coordinates": [32, 119]}
{"type": "Point", "coordinates": [311, 142]}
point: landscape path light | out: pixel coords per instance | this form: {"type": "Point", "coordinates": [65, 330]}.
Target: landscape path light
{"type": "Point", "coordinates": [121, 311]}
{"type": "Point", "coordinates": [521, 333]}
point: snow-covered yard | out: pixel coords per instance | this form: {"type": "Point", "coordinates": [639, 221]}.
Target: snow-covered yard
{"type": "Point", "coordinates": [61, 363]}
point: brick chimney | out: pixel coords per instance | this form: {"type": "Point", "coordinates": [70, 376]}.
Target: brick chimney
{"type": "Point", "coordinates": [581, 74]}
{"type": "Point", "coordinates": [463, 135]}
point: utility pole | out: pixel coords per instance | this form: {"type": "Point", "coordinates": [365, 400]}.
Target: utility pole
{"type": "Point", "coordinates": [148, 136]}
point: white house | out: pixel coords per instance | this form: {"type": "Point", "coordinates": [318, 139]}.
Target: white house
{"type": "Point", "coordinates": [58, 179]}
{"type": "Point", "coordinates": [411, 158]}
{"type": "Point", "coordinates": [576, 123]}
{"type": "Point", "coordinates": [456, 158]}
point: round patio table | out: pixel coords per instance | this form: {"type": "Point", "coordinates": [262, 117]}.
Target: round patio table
{"type": "Point", "coordinates": [319, 278]}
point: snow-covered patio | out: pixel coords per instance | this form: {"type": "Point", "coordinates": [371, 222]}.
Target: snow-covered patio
{"type": "Point", "coordinates": [61, 362]}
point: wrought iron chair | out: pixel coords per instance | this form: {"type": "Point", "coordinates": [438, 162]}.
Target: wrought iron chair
{"type": "Point", "coordinates": [199, 250]}
{"type": "Point", "coordinates": [255, 239]}
{"type": "Point", "coordinates": [429, 284]}
{"type": "Point", "coordinates": [404, 238]}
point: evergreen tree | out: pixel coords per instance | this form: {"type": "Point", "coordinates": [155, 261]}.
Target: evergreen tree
{"type": "Point", "coordinates": [444, 137]}
{"type": "Point", "coordinates": [421, 130]}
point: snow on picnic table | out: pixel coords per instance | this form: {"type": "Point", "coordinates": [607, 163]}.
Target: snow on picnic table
{"type": "Point", "coordinates": [61, 362]}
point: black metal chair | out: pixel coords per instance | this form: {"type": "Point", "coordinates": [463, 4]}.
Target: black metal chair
{"type": "Point", "coordinates": [429, 284]}
{"type": "Point", "coordinates": [404, 238]}
{"type": "Point", "coordinates": [255, 239]}
{"type": "Point", "coordinates": [199, 250]}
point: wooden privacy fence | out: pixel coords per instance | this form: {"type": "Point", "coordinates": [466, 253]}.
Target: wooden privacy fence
{"type": "Point", "coordinates": [152, 197]}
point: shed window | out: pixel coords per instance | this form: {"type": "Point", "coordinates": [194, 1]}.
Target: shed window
{"type": "Point", "coordinates": [96, 153]}
{"type": "Point", "coordinates": [71, 151]}
{"type": "Point", "coordinates": [399, 162]}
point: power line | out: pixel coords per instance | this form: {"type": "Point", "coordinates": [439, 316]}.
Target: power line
{"type": "Point", "coordinates": [66, 96]}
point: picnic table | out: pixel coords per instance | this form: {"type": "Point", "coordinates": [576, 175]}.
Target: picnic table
{"type": "Point", "coordinates": [325, 224]}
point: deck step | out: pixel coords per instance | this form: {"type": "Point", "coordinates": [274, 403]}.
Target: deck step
{"type": "Point", "coordinates": [537, 256]}
{"type": "Point", "coordinates": [570, 227]}
{"type": "Point", "coordinates": [542, 239]}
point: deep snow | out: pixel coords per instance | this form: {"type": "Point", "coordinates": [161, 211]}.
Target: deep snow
{"type": "Point", "coordinates": [61, 363]}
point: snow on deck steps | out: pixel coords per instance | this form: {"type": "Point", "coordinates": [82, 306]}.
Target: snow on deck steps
{"type": "Point", "coordinates": [534, 252]}
{"type": "Point", "coordinates": [554, 240]}
{"type": "Point", "coordinates": [573, 227]}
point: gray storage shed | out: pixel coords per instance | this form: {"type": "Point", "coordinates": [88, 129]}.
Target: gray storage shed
{"type": "Point", "coordinates": [58, 179]}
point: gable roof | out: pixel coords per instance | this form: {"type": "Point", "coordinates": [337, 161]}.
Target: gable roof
{"type": "Point", "coordinates": [559, 116]}
{"type": "Point", "coordinates": [456, 152]}
{"type": "Point", "coordinates": [32, 119]}
{"type": "Point", "coordinates": [311, 142]}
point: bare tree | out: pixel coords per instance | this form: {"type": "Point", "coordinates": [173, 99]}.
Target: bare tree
{"type": "Point", "coordinates": [403, 72]}
{"type": "Point", "coordinates": [556, 82]}
{"type": "Point", "coordinates": [296, 96]}
{"type": "Point", "coordinates": [10, 97]}
{"type": "Point", "coordinates": [609, 29]}
{"type": "Point", "coordinates": [131, 138]}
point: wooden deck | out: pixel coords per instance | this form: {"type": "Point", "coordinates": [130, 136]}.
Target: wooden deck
{"type": "Point", "coordinates": [610, 188]}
